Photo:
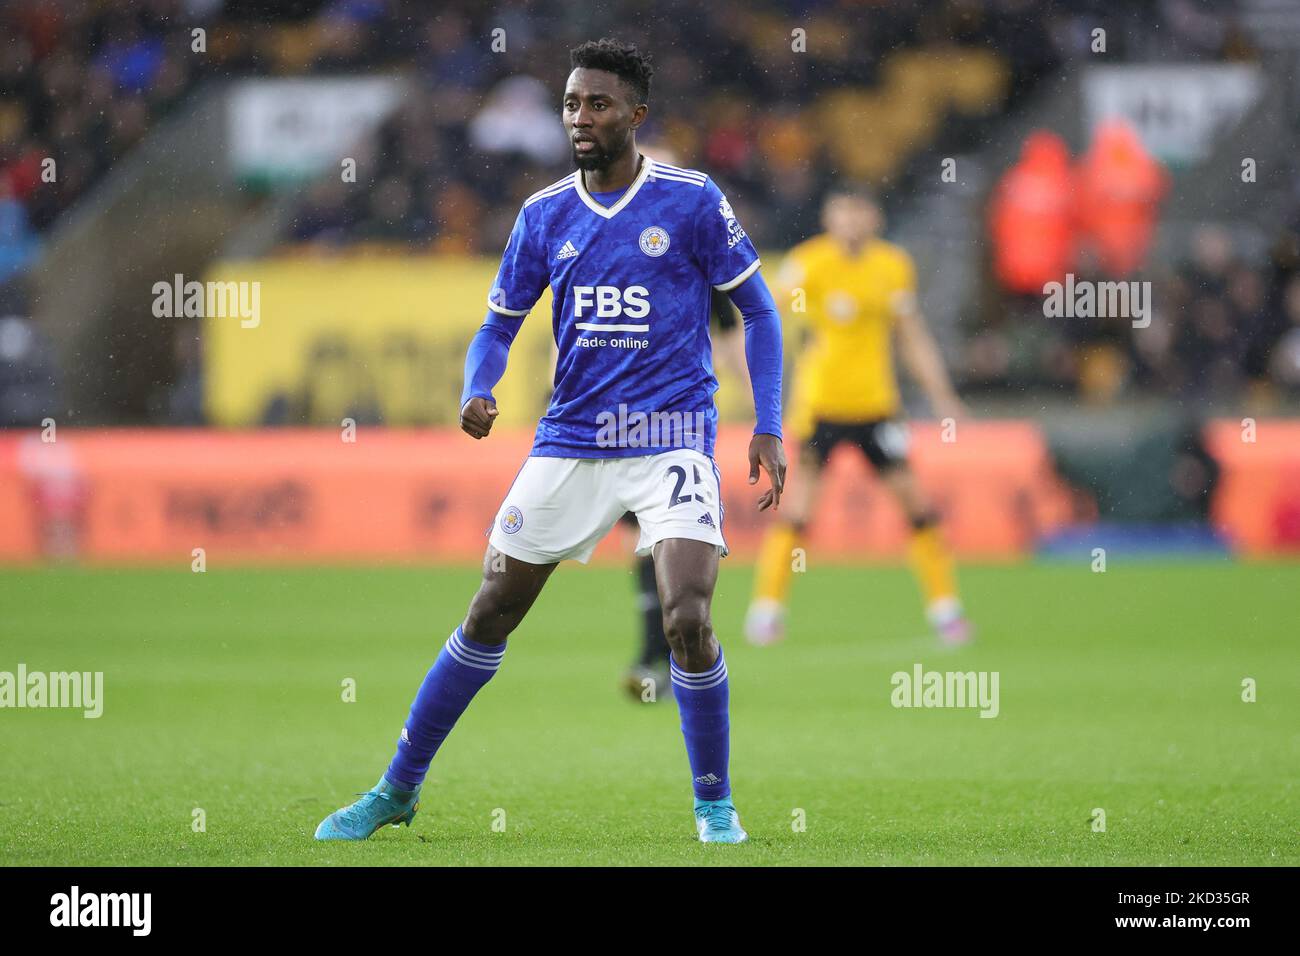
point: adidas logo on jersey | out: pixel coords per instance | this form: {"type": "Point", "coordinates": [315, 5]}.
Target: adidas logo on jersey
{"type": "Point", "coordinates": [567, 251]}
{"type": "Point", "coordinates": [706, 518]}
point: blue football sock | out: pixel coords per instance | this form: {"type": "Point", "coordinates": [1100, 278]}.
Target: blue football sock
{"type": "Point", "coordinates": [461, 669]}
{"type": "Point", "coordinates": [702, 700]}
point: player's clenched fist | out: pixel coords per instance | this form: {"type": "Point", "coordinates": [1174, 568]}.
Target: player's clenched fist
{"type": "Point", "coordinates": [477, 416]}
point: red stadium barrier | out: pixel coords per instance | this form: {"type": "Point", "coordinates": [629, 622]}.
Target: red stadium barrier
{"type": "Point", "coordinates": [306, 495]}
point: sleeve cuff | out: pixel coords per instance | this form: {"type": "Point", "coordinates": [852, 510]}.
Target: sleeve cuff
{"type": "Point", "coordinates": [502, 310]}
{"type": "Point", "coordinates": [728, 286]}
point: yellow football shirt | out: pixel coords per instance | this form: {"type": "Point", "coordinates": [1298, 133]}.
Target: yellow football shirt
{"type": "Point", "coordinates": [846, 372]}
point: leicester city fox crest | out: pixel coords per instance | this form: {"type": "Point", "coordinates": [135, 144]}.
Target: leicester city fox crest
{"type": "Point", "coordinates": [512, 520]}
{"type": "Point", "coordinates": [654, 241]}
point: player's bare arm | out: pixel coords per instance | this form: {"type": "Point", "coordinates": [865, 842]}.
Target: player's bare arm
{"type": "Point", "coordinates": [920, 355]}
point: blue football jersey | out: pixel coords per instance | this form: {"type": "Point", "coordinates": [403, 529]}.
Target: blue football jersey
{"type": "Point", "coordinates": [631, 285]}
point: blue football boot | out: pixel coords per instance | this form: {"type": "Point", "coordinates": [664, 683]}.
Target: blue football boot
{"type": "Point", "coordinates": [380, 806]}
{"type": "Point", "coordinates": [718, 821]}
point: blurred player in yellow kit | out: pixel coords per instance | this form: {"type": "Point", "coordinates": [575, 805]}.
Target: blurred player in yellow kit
{"type": "Point", "coordinates": [859, 295]}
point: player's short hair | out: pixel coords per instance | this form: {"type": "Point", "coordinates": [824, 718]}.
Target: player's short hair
{"type": "Point", "coordinates": [853, 189]}
{"type": "Point", "coordinates": [622, 59]}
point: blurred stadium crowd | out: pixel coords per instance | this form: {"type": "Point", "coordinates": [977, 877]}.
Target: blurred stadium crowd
{"type": "Point", "coordinates": [1222, 326]}
{"type": "Point", "coordinates": [728, 96]}
{"type": "Point", "coordinates": [83, 82]}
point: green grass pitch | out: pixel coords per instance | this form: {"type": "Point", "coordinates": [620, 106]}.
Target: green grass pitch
{"type": "Point", "coordinates": [223, 691]}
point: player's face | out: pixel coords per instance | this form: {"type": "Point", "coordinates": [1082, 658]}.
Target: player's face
{"type": "Point", "coordinates": [850, 219]}
{"type": "Point", "coordinates": [599, 117]}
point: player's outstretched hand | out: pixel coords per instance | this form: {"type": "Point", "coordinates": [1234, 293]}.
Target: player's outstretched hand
{"type": "Point", "coordinates": [767, 450]}
{"type": "Point", "coordinates": [477, 416]}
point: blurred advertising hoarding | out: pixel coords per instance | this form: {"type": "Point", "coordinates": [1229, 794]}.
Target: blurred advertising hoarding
{"type": "Point", "coordinates": [1178, 110]}
{"type": "Point", "coordinates": [381, 339]}
{"type": "Point", "coordinates": [308, 495]}
{"type": "Point", "coordinates": [285, 130]}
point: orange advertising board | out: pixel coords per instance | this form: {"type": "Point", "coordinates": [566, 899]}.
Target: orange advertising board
{"type": "Point", "coordinates": [429, 495]}
{"type": "Point", "coordinates": [1257, 504]}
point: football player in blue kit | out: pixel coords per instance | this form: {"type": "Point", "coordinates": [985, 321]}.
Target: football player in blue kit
{"type": "Point", "coordinates": [632, 250]}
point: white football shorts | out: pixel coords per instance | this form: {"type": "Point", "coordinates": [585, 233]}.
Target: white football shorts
{"type": "Point", "coordinates": [560, 508]}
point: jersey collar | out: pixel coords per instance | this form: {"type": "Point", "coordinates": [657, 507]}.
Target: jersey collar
{"type": "Point", "coordinates": [609, 212]}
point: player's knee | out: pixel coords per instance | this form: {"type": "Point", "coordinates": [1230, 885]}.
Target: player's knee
{"type": "Point", "coordinates": [686, 621]}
